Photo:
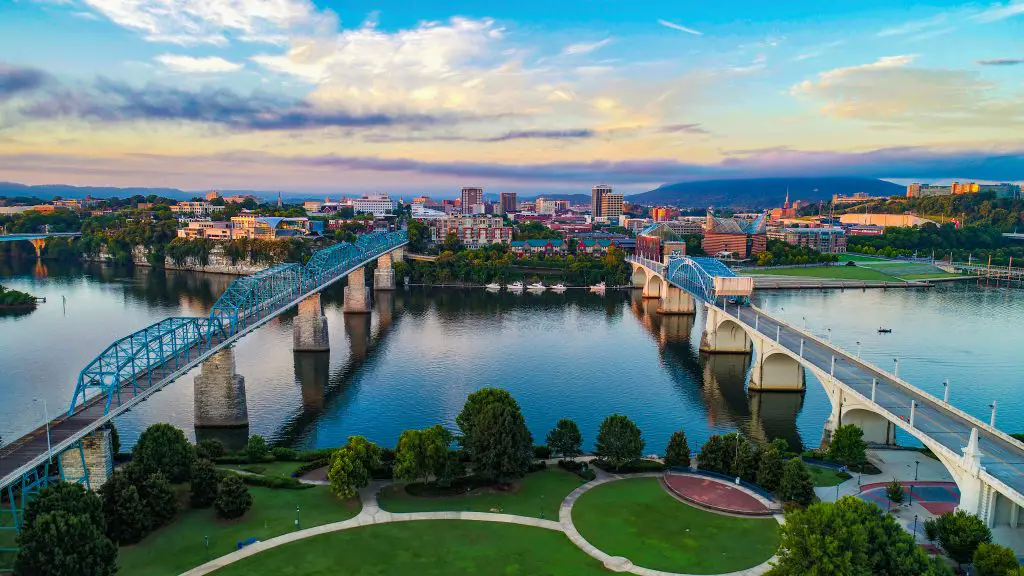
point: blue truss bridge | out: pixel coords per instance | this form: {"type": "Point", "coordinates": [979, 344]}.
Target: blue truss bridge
{"type": "Point", "coordinates": [132, 368]}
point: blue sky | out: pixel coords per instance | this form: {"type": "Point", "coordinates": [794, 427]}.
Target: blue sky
{"type": "Point", "coordinates": [428, 97]}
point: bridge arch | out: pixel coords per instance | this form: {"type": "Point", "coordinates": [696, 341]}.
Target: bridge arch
{"type": "Point", "coordinates": [775, 370]}
{"type": "Point", "coordinates": [639, 277]}
{"type": "Point", "coordinates": [724, 335]}
{"type": "Point", "coordinates": [654, 287]}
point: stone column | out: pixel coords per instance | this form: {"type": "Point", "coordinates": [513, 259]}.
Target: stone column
{"type": "Point", "coordinates": [676, 301]}
{"type": "Point", "coordinates": [99, 460]}
{"type": "Point", "coordinates": [220, 393]}
{"type": "Point", "coordinates": [309, 328]}
{"type": "Point", "coordinates": [357, 297]}
{"type": "Point", "coordinates": [357, 328]}
{"type": "Point", "coordinates": [398, 254]}
{"type": "Point", "coordinates": [384, 275]}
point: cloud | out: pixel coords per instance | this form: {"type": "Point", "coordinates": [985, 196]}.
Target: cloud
{"type": "Point", "coordinates": [1001, 11]}
{"type": "Point", "coordinates": [914, 26]}
{"type": "Point", "coordinates": [758, 63]}
{"type": "Point", "coordinates": [687, 128]}
{"type": "Point", "coordinates": [571, 134]}
{"type": "Point", "coordinates": [1001, 62]}
{"type": "Point", "coordinates": [190, 64]}
{"type": "Point", "coordinates": [85, 15]}
{"type": "Point", "coordinates": [15, 80]}
{"type": "Point", "coordinates": [585, 48]}
{"type": "Point", "coordinates": [189, 22]}
{"type": "Point", "coordinates": [679, 27]}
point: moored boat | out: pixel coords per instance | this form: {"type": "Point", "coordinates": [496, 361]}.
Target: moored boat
{"type": "Point", "coordinates": [537, 286]}
{"type": "Point", "coordinates": [558, 287]}
{"type": "Point", "coordinates": [493, 286]}
{"type": "Point", "coordinates": [516, 286]}
{"type": "Point", "coordinates": [599, 287]}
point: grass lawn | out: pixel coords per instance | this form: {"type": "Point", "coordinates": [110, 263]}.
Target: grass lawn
{"type": "Point", "coordinates": [929, 276]}
{"type": "Point", "coordinates": [283, 469]}
{"type": "Point", "coordinates": [822, 476]}
{"type": "Point", "coordinates": [429, 548]}
{"type": "Point", "coordinates": [179, 546]}
{"type": "Point", "coordinates": [849, 257]}
{"type": "Point", "coordinates": [638, 520]}
{"type": "Point", "coordinates": [542, 490]}
{"type": "Point", "coordinates": [832, 272]}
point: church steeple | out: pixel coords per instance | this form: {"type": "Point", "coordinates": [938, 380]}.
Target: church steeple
{"type": "Point", "coordinates": [280, 203]}
{"type": "Point", "coordinates": [786, 203]}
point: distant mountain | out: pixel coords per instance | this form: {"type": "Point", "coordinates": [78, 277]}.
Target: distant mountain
{"type": "Point", "coordinates": [48, 191]}
{"type": "Point", "coordinates": [756, 193]}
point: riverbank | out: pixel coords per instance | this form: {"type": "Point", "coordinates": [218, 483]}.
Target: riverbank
{"type": "Point", "coordinates": [14, 301]}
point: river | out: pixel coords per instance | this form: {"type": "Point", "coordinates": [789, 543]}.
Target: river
{"type": "Point", "coordinates": [413, 361]}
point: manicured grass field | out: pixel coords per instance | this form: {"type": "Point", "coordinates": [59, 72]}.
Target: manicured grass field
{"type": "Point", "coordinates": [179, 546]}
{"type": "Point", "coordinates": [822, 476]}
{"type": "Point", "coordinates": [637, 519]}
{"type": "Point", "coordinates": [832, 272]}
{"type": "Point", "coordinates": [539, 491]}
{"type": "Point", "coordinates": [283, 469]}
{"type": "Point", "coordinates": [848, 257]}
{"type": "Point", "coordinates": [428, 548]}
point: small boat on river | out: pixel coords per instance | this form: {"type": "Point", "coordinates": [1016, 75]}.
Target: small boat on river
{"type": "Point", "coordinates": [537, 286]}
{"type": "Point", "coordinates": [516, 286]}
{"type": "Point", "coordinates": [558, 287]}
{"type": "Point", "coordinates": [885, 330]}
{"type": "Point", "coordinates": [493, 286]}
{"type": "Point", "coordinates": [599, 288]}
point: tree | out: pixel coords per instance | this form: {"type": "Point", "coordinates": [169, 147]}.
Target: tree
{"type": "Point", "coordinates": [64, 535]}
{"type": "Point", "coordinates": [847, 446]}
{"type": "Point", "coordinates": [163, 448]}
{"type": "Point", "coordinates": [994, 560]}
{"type": "Point", "coordinates": [715, 456]}
{"type": "Point", "coordinates": [931, 529]}
{"type": "Point", "coordinates": [351, 465]}
{"type": "Point", "coordinates": [678, 452]}
{"type": "Point", "coordinates": [256, 448]}
{"type": "Point", "coordinates": [422, 454]}
{"type": "Point", "coordinates": [115, 438]}
{"type": "Point", "coordinates": [894, 492]}
{"type": "Point", "coordinates": [850, 537]}
{"type": "Point", "coordinates": [127, 519]}
{"type": "Point", "coordinates": [202, 484]}
{"type": "Point", "coordinates": [796, 485]}
{"type": "Point", "coordinates": [619, 441]}
{"type": "Point", "coordinates": [746, 460]}
{"type": "Point", "coordinates": [159, 500]}
{"type": "Point", "coordinates": [565, 439]}
{"type": "Point", "coordinates": [960, 533]}
{"type": "Point", "coordinates": [233, 498]}
{"type": "Point", "coordinates": [494, 434]}
{"type": "Point", "coordinates": [210, 448]}
{"type": "Point", "coordinates": [769, 469]}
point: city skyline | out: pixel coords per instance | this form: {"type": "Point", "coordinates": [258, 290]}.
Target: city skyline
{"type": "Point", "coordinates": [318, 97]}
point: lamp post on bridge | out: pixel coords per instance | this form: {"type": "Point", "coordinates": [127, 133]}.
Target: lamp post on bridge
{"type": "Point", "coordinates": [805, 323]}
{"type": "Point", "coordinates": [829, 335]}
{"type": "Point", "coordinates": [858, 349]}
{"type": "Point", "coordinates": [46, 414]}
{"type": "Point", "coordinates": [896, 370]}
{"type": "Point", "coordinates": [992, 422]}
{"type": "Point", "coordinates": [945, 391]}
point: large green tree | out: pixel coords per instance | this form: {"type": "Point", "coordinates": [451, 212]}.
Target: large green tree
{"type": "Point", "coordinates": [494, 434]}
{"type": "Point", "coordinates": [960, 533]}
{"type": "Point", "coordinates": [847, 446]}
{"type": "Point", "coordinates": [565, 439]}
{"type": "Point", "coordinates": [994, 560]}
{"type": "Point", "coordinates": [848, 538]}
{"type": "Point", "coordinates": [159, 499]}
{"type": "Point", "coordinates": [64, 535]}
{"type": "Point", "coordinates": [163, 448]}
{"type": "Point", "coordinates": [425, 454]}
{"type": "Point", "coordinates": [769, 469]}
{"type": "Point", "coordinates": [233, 498]}
{"type": "Point", "coordinates": [351, 465]}
{"type": "Point", "coordinates": [619, 441]}
{"type": "Point", "coordinates": [202, 484]}
{"type": "Point", "coordinates": [796, 485]}
{"type": "Point", "coordinates": [678, 451]}
{"type": "Point", "coordinates": [126, 516]}
{"type": "Point", "coordinates": [715, 455]}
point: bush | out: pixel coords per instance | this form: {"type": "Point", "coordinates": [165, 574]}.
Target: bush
{"type": "Point", "coordinates": [796, 485]}
{"type": "Point", "coordinates": [634, 467]}
{"type": "Point", "coordinates": [960, 533]}
{"type": "Point", "coordinates": [309, 466]}
{"type": "Point", "coordinates": [233, 498]}
{"type": "Point", "coordinates": [202, 484]}
{"type": "Point", "coordinates": [580, 469]}
{"type": "Point", "coordinates": [282, 454]}
{"type": "Point", "coordinates": [894, 491]}
{"type": "Point", "coordinates": [931, 529]}
{"type": "Point", "coordinates": [537, 466]}
{"type": "Point", "coordinates": [126, 517]}
{"type": "Point", "coordinates": [256, 449]}
{"type": "Point", "coordinates": [159, 500]}
{"type": "Point", "coordinates": [541, 452]}
{"type": "Point", "coordinates": [275, 482]}
{"type": "Point", "coordinates": [163, 448]}
{"type": "Point", "coordinates": [994, 560]}
{"type": "Point", "coordinates": [210, 449]}
{"type": "Point", "coordinates": [318, 454]}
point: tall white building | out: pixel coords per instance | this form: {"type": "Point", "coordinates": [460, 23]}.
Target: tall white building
{"type": "Point", "coordinates": [376, 204]}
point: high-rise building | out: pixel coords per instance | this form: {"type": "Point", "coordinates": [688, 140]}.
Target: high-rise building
{"type": "Point", "coordinates": [597, 196]}
{"type": "Point", "coordinates": [611, 206]}
{"type": "Point", "coordinates": [509, 203]}
{"type": "Point", "coordinates": [471, 197]}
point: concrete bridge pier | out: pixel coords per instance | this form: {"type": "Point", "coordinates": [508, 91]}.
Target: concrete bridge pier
{"type": "Point", "coordinates": [653, 287]}
{"type": "Point", "coordinates": [220, 393]}
{"type": "Point", "coordinates": [357, 328]}
{"type": "Point", "coordinates": [98, 452]}
{"type": "Point", "coordinates": [309, 328]}
{"type": "Point", "coordinates": [357, 297]}
{"type": "Point", "coordinates": [722, 335]}
{"type": "Point", "coordinates": [384, 274]}
{"type": "Point", "coordinates": [676, 301]}
{"type": "Point", "coordinates": [313, 372]}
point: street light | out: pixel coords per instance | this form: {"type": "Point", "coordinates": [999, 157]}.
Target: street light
{"type": "Point", "coordinates": [896, 371]}
{"type": "Point", "coordinates": [858, 349]}
{"type": "Point", "coordinates": [992, 423]}
{"type": "Point", "coordinates": [46, 415]}
{"type": "Point", "coordinates": [805, 322]}
{"type": "Point", "coordinates": [829, 335]}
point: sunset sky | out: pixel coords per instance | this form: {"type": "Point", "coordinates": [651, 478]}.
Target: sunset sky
{"type": "Point", "coordinates": [412, 96]}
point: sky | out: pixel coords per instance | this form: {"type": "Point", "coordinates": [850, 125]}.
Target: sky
{"type": "Point", "coordinates": [426, 97]}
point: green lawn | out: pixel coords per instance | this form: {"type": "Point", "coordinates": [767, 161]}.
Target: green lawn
{"type": "Point", "coordinates": [179, 546]}
{"type": "Point", "coordinates": [539, 491]}
{"type": "Point", "coordinates": [830, 272]}
{"type": "Point", "coordinates": [427, 548]}
{"type": "Point", "coordinates": [850, 257]}
{"type": "Point", "coordinates": [283, 469]}
{"type": "Point", "coordinates": [822, 476]}
{"type": "Point", "coordinates": [638, 520]}
{"type": "Point", "coordinates": [929, 276]}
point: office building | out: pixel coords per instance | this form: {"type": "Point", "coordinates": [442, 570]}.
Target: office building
{"type": "Point", "coordinates": [471, 197]}
{"type": "Point", "coordinates": [597, 196]}
{"type": "Point", "coordinates": [611, 206]}
{"type": "Point", "coordinates": [509, 203]}
{"type": "Point", "coordinates": [376, 204]}
{"type": "Point", "coordinates": [194, 209]}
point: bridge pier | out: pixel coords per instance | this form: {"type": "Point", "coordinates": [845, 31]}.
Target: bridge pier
{"type": "Point", "coordinates": [722, 335]}
{"type": "Point", "coordinates": [775, 371]}
{"type": "Point", "coordinates": [639, 277]}
{"type": "Point", "coordinates": [676, 301]}
{"type": "Point", "coordinates": [384, 274]}
{"type": "Point", "coordinates": [97, 449]}
{"type": "Point", "coordinates": [220, 393]}
{"type": "Point", "coordinates": [653, 287]}
{"type": "Point", "coordinates": [357, 328]}
{"type": "Point", "coordinates": [309, 328]}
{"type": "Point", "coordinates": [357, 297]}
{"type": "Point", "coordinates": [313, 372]}
{"type": "Point", "coordinates": [38, 244]}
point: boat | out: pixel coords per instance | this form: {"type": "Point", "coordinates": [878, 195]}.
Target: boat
{"type": "Point", "coordinates": [597, 287]}
{"type": "Point", "coordinates": [516, 286]}
{"type": "Point", "coordinates": [558, 287]}
{"type": "Point", "coordinates": [537, 286]}
{"type": "Point", "coordinates": [493, 286]}
{"type": "Point", "coordinates": [885, 330]}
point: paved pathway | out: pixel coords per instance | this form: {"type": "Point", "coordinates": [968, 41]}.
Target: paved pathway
{"type": "Point", "coordinates": [371, 514]}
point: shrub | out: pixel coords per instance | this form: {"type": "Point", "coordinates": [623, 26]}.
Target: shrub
{"type": "Point", "coordinates": [537, 466]}
{"type": "Point", "coordinates": [283, 454]}
{"type": "Point", "coordinates": [313, 455]}
{"type": "Point", "coordinates": [159, 500]}
{"type": "Point", "coordinates": [202, 484]}
{"type": "Point", "coordinates": [678, 452]}
{"type": "Point", "coordinates": [796, 485]}
{"type": "Point", "coordinates": [126, 517]}
{"type": "Point", "coordinates": [633, 467]}
{"type": "Point", "coordinates": [256, 449]}
{"type": "Point", "coordinates": [931, 529]}
{"type": "Point", "coordinates": [163, 448]}
{"type": "Point", "coordinates": [210, 449]}
{"type": "Point", "coordinates": [994, 560]}
{"type": "Point", "coordinates": [894, 491]}
{"type": "Point", "coordinates": [233, 498]}
{"type": "Point", "coordinates": [581, 469]}
{"type": "Point", "coordinates": [541, 452]}
{"type": "Point", "coordinates": [309, 466]}
{"type": "Point", "coordinates": [960, 533]}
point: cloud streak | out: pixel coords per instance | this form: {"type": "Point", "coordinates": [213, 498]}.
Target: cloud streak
{"type": "Point", "coordinates": [16, 79]}
{"type": "Point", "coordinates": [585, 48]}
{"type": "Point", "coordinates": [193, 65]}
{"type": "Point", "coordinates": [679, 27]}
{"type": "Point", "coordinates": [1001, 62]}
{"type": "Point", "coordinates": [573, 134]}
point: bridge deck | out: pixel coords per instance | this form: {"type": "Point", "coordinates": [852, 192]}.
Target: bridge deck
{"type": "Point", "coordinates": [1002, 459]}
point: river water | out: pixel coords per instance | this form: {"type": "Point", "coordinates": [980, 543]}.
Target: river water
{"type": "Point", "coordinates": [413, 361]}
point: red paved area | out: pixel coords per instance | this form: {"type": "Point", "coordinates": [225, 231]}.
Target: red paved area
{"type": "Point", "coordinates": [715, 494]}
